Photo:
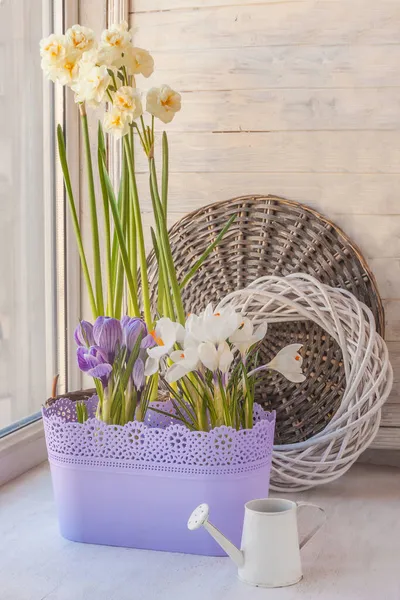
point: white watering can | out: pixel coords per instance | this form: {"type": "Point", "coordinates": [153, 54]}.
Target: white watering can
{"type": "Point", "coordinates": [270, 550]}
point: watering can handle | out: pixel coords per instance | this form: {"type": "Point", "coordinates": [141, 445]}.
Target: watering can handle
{"type": "Point", "coordinates": [310, 535]}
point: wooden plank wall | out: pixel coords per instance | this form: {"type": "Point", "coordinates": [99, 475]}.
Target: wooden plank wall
{"type": "Point", "coordinates": [299, 99]}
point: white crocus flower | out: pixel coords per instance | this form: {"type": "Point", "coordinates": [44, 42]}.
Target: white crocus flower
{"type": "Point", "coordinates": [245, 337]}
{"type": "Point", "coordinates": [166, 335]}
{"type": "Point", "coordinates": [127, 99]}
{"type": "Point", "coordinates": [81, 38]}
{"type": "Point", "coordinates": [92, 84]}
{"type": "Point", "coordinates": [185, 361]}
{"type": "Point", "coordinates": [163, 103]}
{"type": "Point", "coordinates": [288, 362]}
{"type": "Point", "coordinates": [210, 326]}
{"type": "Point", "coordinates": [116, 122]}
{"type": "Point", "coordinates": [216, 358]}
{"type": "Point", "coordinates": [139, 62]}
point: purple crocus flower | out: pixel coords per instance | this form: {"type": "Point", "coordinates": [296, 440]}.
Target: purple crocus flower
{"type": "Point", "coordinates": [83, 334]}
{"type": "Point", "coordinates": [132, 328]}
{"type": "Point", "coordinates": [93, 362]}
{"type": "Point", "coordinates": [107, 333]}
{"type": "Point", "coordinates": [138, 374]}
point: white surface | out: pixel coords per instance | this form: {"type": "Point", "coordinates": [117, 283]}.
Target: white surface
{"type": "Point", "coordinates": [356, 556]}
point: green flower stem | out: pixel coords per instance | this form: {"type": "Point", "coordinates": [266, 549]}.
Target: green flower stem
{"type": "Point", "coordinates": [164, 301]}
{"type": "Point", "coordinates": [165, 173]}
{"type": "Point", "coordinates": [93, 214]}
{"type": "Point", "coordinates": [121, 239]}
{"type": "Point", "coordinates": [165, 247]}
{"type": "Point", "coordinates": [107, 229]}
{"type": "Point", "coordinates": [132, 237]}
{"type": "Point", "coordinates": [205, 254]}
{"type": "Point", "coordinates": [75, 220]}
{"type": "Point", "coordinates": [129, 152]}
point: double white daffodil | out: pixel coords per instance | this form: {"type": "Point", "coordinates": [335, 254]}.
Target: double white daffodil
{"type": "Point", "coordinates": [166, 335]}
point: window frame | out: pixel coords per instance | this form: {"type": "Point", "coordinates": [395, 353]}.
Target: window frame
{"type": "Point", "coordinates": [24, 447]}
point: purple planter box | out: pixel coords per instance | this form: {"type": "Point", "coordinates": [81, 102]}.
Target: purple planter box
{"type": "Point", "coordinates": [136, 485]}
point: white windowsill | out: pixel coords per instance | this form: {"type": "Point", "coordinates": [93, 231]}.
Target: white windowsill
{"type": "Point", "coordinates": [354, 557]}
{"type": "Point", "coordinates": [22, 450]}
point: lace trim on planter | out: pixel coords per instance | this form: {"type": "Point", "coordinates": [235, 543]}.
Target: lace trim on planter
{"type": "Point", "coordinates": [163, 469]}
{"type": "Point", "coordinates": [157, 443]}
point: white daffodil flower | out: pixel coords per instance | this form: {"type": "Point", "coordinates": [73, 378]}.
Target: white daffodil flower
{"type": "Point", "coordinates": [115, 42]}
{"type": "Point", "coordinates": [166, 334]}
{"type": "Point", "coordinates": [245, 337]}
{"type": "Point", "coordinates": [288, 362]}
{"type": "Point", "coordinates": [116, 36]}
{"type": "Point", "coordinates": [52, 50]}
{"type": "Point", "coordinates": [116, 122]}
{"type": "Point", "coordinates": [139, 62]}
{"type": "Point", "coordinates": [127, 99]}
{"type": "Point", "coordinates": [185, 361]}
{"type": "Point", "coordinates": [163, 103]}
{"type": "Point", "coordinates": [216, 358]}
{"type": "Point", "coordinates": [210, 326]}
{"type": "Point", "coordinates": [59, 59]}
{"type": "Point", "coordinates": [92, 84]}
{"type": "Point", "coordinates": [81, 38]}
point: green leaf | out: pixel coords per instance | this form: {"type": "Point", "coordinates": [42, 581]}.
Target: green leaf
{"type": "Point", "coordinates": [75, 221]}
{"type": "Point", "coordinates": [206, 253]}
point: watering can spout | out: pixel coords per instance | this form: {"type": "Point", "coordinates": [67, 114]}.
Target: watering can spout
{"type": "Point", "coordinates": [199, 518]}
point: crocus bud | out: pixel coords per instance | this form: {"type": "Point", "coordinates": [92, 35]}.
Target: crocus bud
{"type": "Point", "coordinates": [138, 374]}
{"type": "Point", "coordinates": [84, 334]}
{"type": "Point", "coordinates": [132, 329]}
{"type": "Point", "coordinates": [107, 333]}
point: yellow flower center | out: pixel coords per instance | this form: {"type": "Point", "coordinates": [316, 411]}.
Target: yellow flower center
{"type": "Point", "coordinates": [157, 339]}
{"type": "Point", "coordinates": [167, 102]}
{"type": "Point", "coordinates": [53, 49]}
{"type": "Point", "coordinates": [123, 102]}
{"type": "Point", "coordinates": [69, 66]}
{"type": "Point", "coordinates": [117, 123]}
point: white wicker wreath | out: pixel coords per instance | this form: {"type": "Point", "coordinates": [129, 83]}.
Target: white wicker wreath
{"type": "Point", "coordinates": [369, 377]}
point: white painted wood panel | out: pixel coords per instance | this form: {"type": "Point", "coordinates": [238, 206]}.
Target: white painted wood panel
{"type": "Point", "coordinates": [299, 99]}
{"type": "Point", "coordinates": [343, 193]}
{"type": "Point", "coordinates": [138, 6]}
{"type": "Point", "coordinates": [388, 438]}
{"type": "Point", "coordinates": [155, 5]}
{"type": "Point", "coordinates": [269, 24]}
{"type": "Point", "coordinates": [278, 67]}
{"type": "Point", "coordinates": [283, 151]}
{"type": "Point", "coordinates": [289, 110]}
{"type": "Point", "coordinates": [392, 320]}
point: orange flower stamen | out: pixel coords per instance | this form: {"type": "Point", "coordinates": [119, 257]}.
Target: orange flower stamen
{"type": "Point", "coordinates": [217, 314]}
{"type": "Point", "coordinates": [157, 340]}
{"type": "Point", "coordinates": [297, 357]}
